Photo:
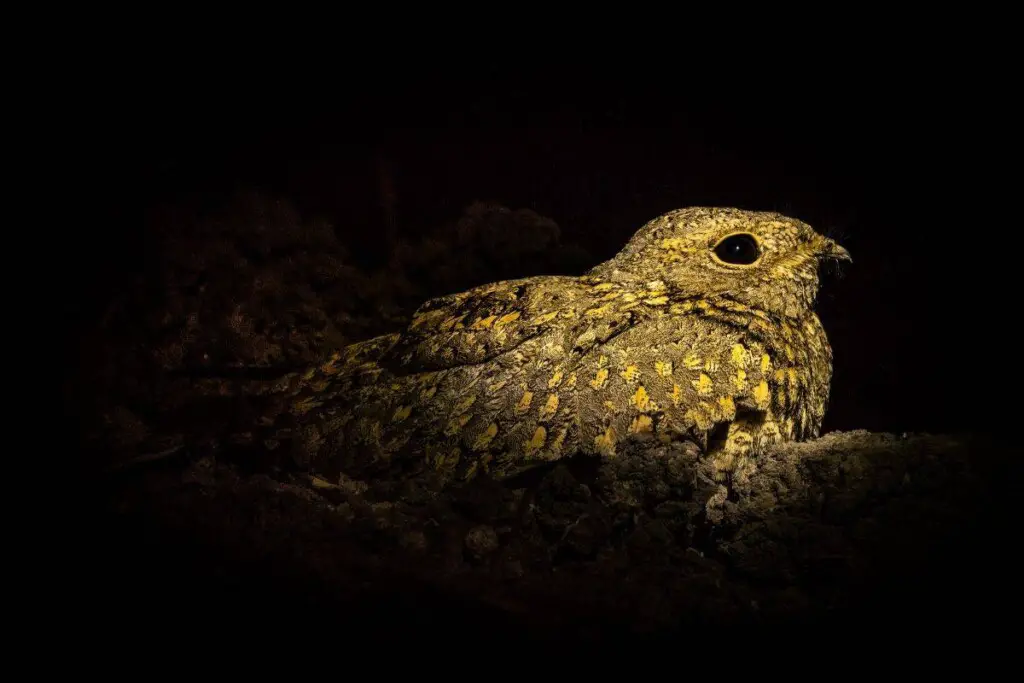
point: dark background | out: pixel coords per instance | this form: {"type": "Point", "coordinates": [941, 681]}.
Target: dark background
{"type": "Point", "coordinates": [909, 163]}
{"type": "Point", "coordinates": [903, 169]}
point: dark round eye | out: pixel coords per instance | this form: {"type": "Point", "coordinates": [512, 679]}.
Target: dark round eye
{"type": "Point", "coordinates": [740, 250]}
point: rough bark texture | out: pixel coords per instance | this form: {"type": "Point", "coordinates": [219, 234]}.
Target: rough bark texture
{"type": "Point", "coordinates": [896, 528]}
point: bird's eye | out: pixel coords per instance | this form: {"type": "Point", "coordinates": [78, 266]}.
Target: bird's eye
{"type": "Point", "coordinates": [739, 250]}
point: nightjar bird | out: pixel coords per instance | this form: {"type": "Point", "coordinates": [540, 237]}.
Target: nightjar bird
{"type": "Point", "coordinates": [700, 329]}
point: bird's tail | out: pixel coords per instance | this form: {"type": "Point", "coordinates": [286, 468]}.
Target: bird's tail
{"type": "Point", "coordinates": [249, 413]}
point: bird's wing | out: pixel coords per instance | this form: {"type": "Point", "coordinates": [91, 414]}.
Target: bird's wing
{"type": "Point", "coordinates": [480, 324]}
{"type": "Point", "coordinates": [672, 375]}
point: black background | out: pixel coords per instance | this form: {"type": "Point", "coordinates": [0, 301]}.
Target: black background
{"type": "Point", "coordinates": [907, 156]}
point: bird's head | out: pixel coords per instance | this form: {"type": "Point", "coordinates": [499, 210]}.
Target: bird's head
{"type": "Point", "coordinates": [764, 260]}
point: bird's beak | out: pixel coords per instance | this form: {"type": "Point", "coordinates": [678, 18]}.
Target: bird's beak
{"type": "Point", "coordinates": [831, 250]}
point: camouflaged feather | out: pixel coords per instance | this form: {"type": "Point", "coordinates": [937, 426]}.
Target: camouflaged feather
{"type": "Point", "coordinates": [663, 342]}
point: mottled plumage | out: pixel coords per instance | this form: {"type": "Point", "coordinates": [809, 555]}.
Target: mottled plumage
{"type": "Point", "coordinates": [669, 340]}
